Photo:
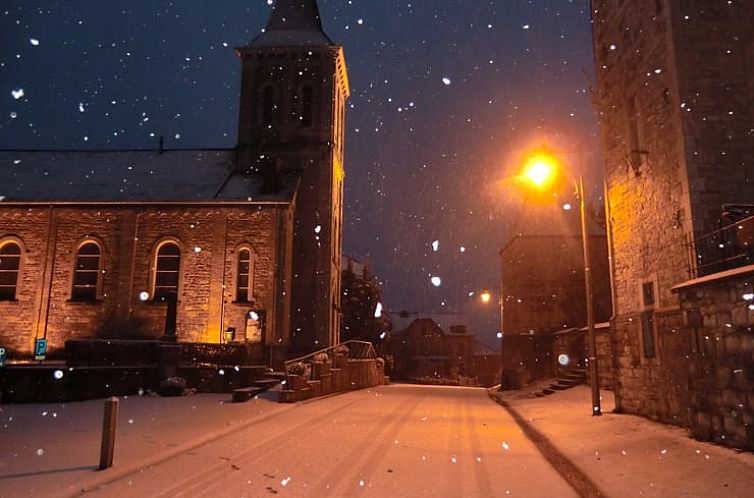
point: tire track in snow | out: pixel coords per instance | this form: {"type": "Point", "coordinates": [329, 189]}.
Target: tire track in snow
{"type": "Point", "coordinates": [481, 477]}
{"type": "Point", "coordinates": [396, 419]}
{"type": "Point", "coordinates": [204, 482]}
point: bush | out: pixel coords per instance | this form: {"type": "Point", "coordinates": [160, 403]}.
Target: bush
{"type": "Point", "coordinates": [321, 358]}
{"type": "Point", "coordinates": [297, 368]}
{"type": "Point", "coordinates": [172, 386]}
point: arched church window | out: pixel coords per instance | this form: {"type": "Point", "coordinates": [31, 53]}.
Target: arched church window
{"type": "Point", "coordinates": [166, 271]}
{"type": "Point", "coordinates": [10, 264]}
{"type": "Point", "coordinates": [245, 276]}
{"type": "Point", "coordinates": [86, 273]}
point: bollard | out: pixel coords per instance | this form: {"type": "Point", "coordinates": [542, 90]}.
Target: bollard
{"type": "Point", "coordinates": [109, 423]}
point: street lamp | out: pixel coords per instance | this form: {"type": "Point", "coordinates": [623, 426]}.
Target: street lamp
{"type": "Point", "coordinates": [540, 170]}
{"type": "Point", "coordinates": [486, 297]}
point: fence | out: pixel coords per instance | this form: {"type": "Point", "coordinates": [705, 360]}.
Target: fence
{"type": "Point", "coordinates": [729, 247]}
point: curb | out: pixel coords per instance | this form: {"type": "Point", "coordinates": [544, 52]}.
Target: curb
{"type": "Point", "coordinates": [573, 475]}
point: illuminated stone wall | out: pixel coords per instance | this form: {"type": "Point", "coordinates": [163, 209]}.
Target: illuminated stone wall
{"type": "Point", "coordinates": [674, 92]}
{"type": "Point", "coordinates": [209, 238]}
{"type": "Point", "coordinates": [721, 368]}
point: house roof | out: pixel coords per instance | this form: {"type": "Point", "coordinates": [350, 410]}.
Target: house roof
{"type": "Point", "coordinates": [293, 23]}
{"type": "Point", "coordinates": [130, 176]}
{"type": "Point", "coordinates": [481, 349]}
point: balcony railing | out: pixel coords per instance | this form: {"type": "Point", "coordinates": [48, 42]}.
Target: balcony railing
{"type": "Point", "coordinates": [724, 249]}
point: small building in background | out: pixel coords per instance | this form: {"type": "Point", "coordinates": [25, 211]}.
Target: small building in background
{"type": "Point", "coordinates": [544, 297]}
{"type": "Point", "coordinates": [424, 352]}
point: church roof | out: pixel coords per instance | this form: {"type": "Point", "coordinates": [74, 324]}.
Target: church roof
{"type": "Point", "coordinates": [293, 23]}
{"type": "Point", "coordinates": [130, 176]}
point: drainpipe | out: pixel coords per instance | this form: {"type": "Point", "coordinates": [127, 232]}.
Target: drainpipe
{"type": "Point", "coordinates": [52, 243]}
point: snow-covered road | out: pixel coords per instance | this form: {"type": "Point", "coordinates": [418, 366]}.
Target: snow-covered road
{"type": "Point", "coordinates": [397, 441]}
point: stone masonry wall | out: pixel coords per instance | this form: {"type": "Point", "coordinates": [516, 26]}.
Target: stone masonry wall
{"type": "Point", "coordinates": [713, 47]}
{"type": "Point", "coordinates": [673, 94]}
{"type": "Point", "coordinates": [543, 283]}
{"type": "Point", "coordinates": [208, 236]}
{"type": "Point", "coordinates": [720, 319]}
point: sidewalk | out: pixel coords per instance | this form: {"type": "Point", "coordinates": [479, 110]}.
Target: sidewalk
{"type": "Point", "coordinates": [52, 449]}
{"type": "Point", "coordinates": [626, 455]}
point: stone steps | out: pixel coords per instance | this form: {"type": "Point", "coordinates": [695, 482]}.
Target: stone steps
{"type": "Point", "coordinates": [564, 381]}
{"type": "Point", "coordinates": [258, 387]}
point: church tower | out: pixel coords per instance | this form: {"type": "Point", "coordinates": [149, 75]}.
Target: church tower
{"type": "Point", "coordinates": [294, 87]}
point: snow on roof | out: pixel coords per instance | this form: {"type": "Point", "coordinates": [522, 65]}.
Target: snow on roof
{"type": "Point", "coordinates": [129, 176]}
{"type": "Point", "coordinates": [293, 23]}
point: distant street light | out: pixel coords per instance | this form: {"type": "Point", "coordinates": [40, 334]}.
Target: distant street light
{"type": "Point", "coordinates": [485, 297]}
{"type": "Point", "coordinates": [540, 171]}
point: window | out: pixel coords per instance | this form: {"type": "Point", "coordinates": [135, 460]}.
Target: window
{"type": "Point", "coordinates": [268, 106]}
{"type": "Point", "coordinates": [167, 270]}
{"type": "Point", "coordinates": [648, 293]}
{"type": "Point", "coordinates": [244, 277]}
{"type": "Point", "coordinates": [647, 319]}
{"type": "Point", "coordinates": [10, 262]}
{"type": "Point", "coordinates": [86, 272]}
{"type": "Point", "coordinates": [648, 333]}
{"type": "Point", "coordinates": [307, 106]}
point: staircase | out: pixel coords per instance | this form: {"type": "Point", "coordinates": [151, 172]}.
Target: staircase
{"type": "Point", "coordinates": [566, 380]}
{"type": "Point", "coordinates": [257, 387]}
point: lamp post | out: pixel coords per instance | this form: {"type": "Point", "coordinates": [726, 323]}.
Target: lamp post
{"type": "Point", "coordinates": [486, 297]}
{"type": "Point", "coordinates": [539, 171]}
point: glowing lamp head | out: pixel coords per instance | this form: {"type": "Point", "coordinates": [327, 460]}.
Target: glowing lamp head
{"type": "Point", "coordinates": [485, 297]}
{"type": "Point", "coordinates": [540, 170]}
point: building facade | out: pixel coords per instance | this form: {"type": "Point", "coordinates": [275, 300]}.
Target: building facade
{"type": "Point", "coordinates": [245, 240]}
{"type": "Point", "coordinates": [424, 352]}
{"type": "Point", "coordinates": [674, 90]}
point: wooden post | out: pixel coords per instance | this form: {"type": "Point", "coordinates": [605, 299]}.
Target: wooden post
{"type": "Point", "coordinates": [109, 423]}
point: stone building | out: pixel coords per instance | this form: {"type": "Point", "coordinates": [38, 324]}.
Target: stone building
{"type": "Point", "coordinates": [95, 243]}
{"type": "Point", "coordinates": [424, 351]}
{"type": "Point", "coordinates": [675, 86]}
{"type": "Point", "coordinates": [544, 296]}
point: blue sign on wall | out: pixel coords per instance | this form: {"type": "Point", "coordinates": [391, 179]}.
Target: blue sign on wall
{"type": "Point", "coordinates": [40, 349]}
{"type": "Point", "coordinates": [2, 357]}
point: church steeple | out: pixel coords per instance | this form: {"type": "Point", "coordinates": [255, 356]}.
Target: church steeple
{"type": "Point", "coordinates": [294, 88]}
{"type": "Point", "coordinates": [293, 23]}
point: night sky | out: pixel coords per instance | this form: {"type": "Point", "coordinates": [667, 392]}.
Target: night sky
{"type": "Point", "coordinates": [446, 94]}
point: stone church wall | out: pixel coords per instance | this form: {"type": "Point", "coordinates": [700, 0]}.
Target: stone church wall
{"type": "Point", "coordinates": [209, 238]}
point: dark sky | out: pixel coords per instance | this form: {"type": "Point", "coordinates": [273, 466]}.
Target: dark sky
{"type": "Point", "coordinates": [446, 93]}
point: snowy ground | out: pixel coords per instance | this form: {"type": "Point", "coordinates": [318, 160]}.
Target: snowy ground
{"type": "Point", "coordinates": [390, 441]}
{"type": "Point", "coordinates": [625, 455]}
{"type": "Point", "coordinates": [52, 449]}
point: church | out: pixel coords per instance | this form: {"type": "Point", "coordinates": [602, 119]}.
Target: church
{"type": "Point", "coordinates": [217, 245]}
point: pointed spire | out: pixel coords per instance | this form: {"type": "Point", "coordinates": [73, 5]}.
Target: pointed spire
{"type": "Point", "coordinates": [293, 23]}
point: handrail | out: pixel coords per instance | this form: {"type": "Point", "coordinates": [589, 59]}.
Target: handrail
{"type": "Point", "coordinates": [363, 350]}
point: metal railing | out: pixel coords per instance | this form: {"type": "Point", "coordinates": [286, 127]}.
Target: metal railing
{"type": "Point", "coordinates": [729, 247]}
{"type": "Point", "coordinates": [355, 350]}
